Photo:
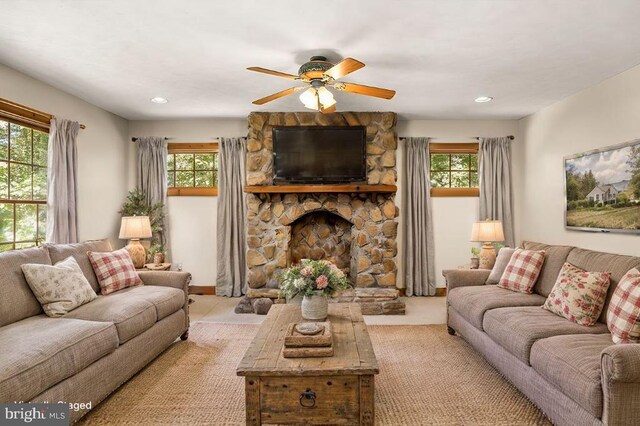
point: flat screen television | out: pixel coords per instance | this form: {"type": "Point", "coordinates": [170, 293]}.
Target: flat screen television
{"type": "Point", "coordinates": [319, 154]}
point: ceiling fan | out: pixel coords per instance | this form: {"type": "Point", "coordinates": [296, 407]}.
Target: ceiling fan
{"type": "Point", "coordinates": [318, 74]}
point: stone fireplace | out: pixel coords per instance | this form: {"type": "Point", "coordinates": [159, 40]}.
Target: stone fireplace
{"type": "Point", "coordinates": [354, 227]}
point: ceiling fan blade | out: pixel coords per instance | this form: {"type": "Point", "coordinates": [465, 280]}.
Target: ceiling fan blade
{"type": "Point", "coordinates": [275, 96]}
{"type": "Point", "coordinates": [271, 72]}
{"type": "Point", "coordinates": [329, 110]}
{"type": "Point", "coordinates": [344, 67]}
{"type": "Point", "coordinates": [361, 89]}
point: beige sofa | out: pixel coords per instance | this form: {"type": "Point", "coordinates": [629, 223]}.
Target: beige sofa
{"type": "Point", "coordinates": [575, 374]}
{"type": "Point", "coordinates": [85, 355]}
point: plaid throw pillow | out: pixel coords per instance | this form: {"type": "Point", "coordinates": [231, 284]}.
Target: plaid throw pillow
{"type": "Point", "coordinates": [114, 270]}
{"type": "Point", "coordinates": [522, 271]}
{"type": "Point", "coordinates": [623, 316]}
{"type": "Point", "coordinates": [578, 295]}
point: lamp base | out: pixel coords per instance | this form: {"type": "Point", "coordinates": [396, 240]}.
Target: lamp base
{"type": "Point", "coordinates": [138, 253]}
{"type": "Point", "coordinates": [487, 256]}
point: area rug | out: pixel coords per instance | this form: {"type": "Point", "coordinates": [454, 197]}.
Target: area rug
{"type": "Point", "coordinates": [426, 378]}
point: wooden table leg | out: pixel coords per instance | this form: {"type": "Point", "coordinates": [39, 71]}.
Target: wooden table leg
{"type": "Point", "coordinates": [252, 398]}
{"type": "Point", "coordinates": [367, 402]}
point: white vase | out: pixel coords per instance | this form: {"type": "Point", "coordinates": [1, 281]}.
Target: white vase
{"type": "Point", "coordinates": [315, 307]}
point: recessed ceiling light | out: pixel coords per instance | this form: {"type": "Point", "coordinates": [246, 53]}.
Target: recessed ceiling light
{"type": "Point", "coordinates": [158, 100]}
{"type": "Point", "coordinates": [481, 99]}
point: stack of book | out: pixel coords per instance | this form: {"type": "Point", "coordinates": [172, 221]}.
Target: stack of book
{"type": "Point", "coordinates": [307, 340]}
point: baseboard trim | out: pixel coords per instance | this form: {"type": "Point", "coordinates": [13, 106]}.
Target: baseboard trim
{"type": "Point", "coordinates": [207, 290]}
{"type": "Point", "coordinates": [441, 292]}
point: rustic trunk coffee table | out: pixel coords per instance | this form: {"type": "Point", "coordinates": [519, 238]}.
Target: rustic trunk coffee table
{"type": "Point", "coordinates": [331, 390]}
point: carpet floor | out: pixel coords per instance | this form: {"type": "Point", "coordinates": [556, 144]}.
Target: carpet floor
{"type": "Point", "coordinates": [426, 378]}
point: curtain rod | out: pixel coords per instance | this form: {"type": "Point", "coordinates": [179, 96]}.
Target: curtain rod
{"type": "Point", "coordinates": [511, 137]}
{"type": "Point", "coordinates": [135, 139]}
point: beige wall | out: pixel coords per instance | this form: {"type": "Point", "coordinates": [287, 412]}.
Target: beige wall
{"type": "Point", "coordinates": [602, 115]}
{"type": "Point", "coordinates": [192, 220]}
{"type": "Point", "coordinates": [102, 151]}
{"type": "Point", "coordinates": [452, 216]}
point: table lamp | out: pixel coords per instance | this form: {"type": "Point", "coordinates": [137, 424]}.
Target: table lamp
{"type": "Point", "coordinates": [133, 228]}
{"type": "Point", "coordinates": [487, 232]}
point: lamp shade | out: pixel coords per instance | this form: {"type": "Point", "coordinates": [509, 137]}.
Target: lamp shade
{"type": "Point", "coordinates": [134, 227]}
{"type": "Point", "coordinates": [487, 230]}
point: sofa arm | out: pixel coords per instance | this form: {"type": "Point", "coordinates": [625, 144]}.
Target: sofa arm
{"type": "Point", "coordinates": [621, 363]}
{"type": "Point", "coordinates": [465, 277]}
{"type": "Point", "coordinates": [621, 384]}
{"type": "Point", "coordinates": [175, 279]}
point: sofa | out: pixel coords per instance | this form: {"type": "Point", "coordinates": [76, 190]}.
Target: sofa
{"type": "Point", "coordinates": [575, 374]}
{"type": "Point", "coordinates": [83, 356]}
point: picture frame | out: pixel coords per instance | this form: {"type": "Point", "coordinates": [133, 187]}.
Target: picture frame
{"type": "Point", "coordinates": [602, 189]}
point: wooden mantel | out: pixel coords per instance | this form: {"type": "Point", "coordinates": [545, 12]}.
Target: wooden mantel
{"type": "Point", "coordinates": [305, 189]}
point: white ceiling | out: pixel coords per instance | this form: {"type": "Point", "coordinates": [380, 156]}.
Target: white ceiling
{"type": "Point", "coordinates": [438, 55]}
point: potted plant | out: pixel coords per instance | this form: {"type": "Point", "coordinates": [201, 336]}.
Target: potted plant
{"type": "Point", "coordinates": [136, 205]}
{"type": "Point", "coordinates": [157, 253]}
{"type": "Point", "coordinates": [475, 259]}
{"type": "Point", "coordinates": [315, 280]}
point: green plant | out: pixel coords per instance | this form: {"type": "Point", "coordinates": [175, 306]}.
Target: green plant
{"type": "Point", "coordinates": [498, 246]}
{"type": "Point", "coordinates": [157, 248]}
{"type": "Point", "coordinates": [475, 252]}
{"type": "Point", "coordinates": [312, 277]}
{"type": "Point", "coordinates": [136, 205]}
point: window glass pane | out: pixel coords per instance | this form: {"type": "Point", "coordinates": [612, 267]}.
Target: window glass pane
{"type": "Point", "coordinates": [204, 178]}
{"type": "Point", "coordinates": [439, 162]}
{"type": "Point", "coordinates": [440, 179]}
{"type": "Point", "coordinates": [184, 179]}
{"type": "Point", "coordinates": [474, 180]}
{"type": "Point", "coordinates": [6, 222]}
{"type": "Point", "coordinates": [20, 143]}
{"type": "Point", "coordinates": [4, 180]}
{"type": "Point", "coordinates": [170, 177]}
{"type": "Point", "coordinates": [184, 161]}
{"type": "Point", "coordinates": [42, 223]}
{"type": "Point", "coordinates": [25, 245]}
{"type": "Point", "coordinates": [459, 179]}
{"type": "Point", "coordinates": [26, 222]}
{"type": "Point", "coordinates": [20, 181]}
{"type": "Point", "coordinates": [215, 178]}
{"type": "Point", "coordinates": [473, 162]}
{"type": "Point", "coordinates": [171, 162]}
{"type": "Point", "coordinates": [460, 162]}
{"type": "Point", "coordinates": [4, 140]}
{"type": "Point", "coordinates": [6, 247]}
{"type": "Point", "coordinates": [204, 162]}
{"type": "Point", "coordinates": [40, 146]}
{"type": "Point", "coordinates": [40, 183]}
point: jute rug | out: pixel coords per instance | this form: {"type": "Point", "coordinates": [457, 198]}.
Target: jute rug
{"type": "Point", "coordinates": [426, 378]}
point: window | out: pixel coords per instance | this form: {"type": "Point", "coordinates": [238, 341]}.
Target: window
{"type": "Point", "coordinates": [23, 185]}
{"type": "Point", "coordinates": [454, 169]}
{"type": "Point", "coordinates": [193, 169]}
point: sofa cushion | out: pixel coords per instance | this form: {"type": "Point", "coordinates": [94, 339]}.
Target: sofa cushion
{"type": "Point", "coordinates": [578, 295]}
{"type": "Point", "coordinates": [17, 301]}
{"type": "Point", "coordinates": [473, 302]}
{"type": "Point", "coordinates": [554, 258]}
{"type": "Point", "coordinates": [517, 329]}
{"type": "Point", "coordinates": [131, 315]}
{"type": "Point", "coordinates": [572, 364]}
{"type": "Point", "coordinates": [38, 352]}
{"type": "Point", "coordinates": [623, 315]}
{"type": "Point", "coordinates": [115, 270]}
{"type": "Point", "coordinates": [502, 260]}
{"type": "Point", "coordinates": [616, 264]}
{"type": "Point", "coordinates": [79, 251]}
{"type": "Point", "coordinates": [167, 300]}
{"type": "Point", "coordinates": [522, 271]}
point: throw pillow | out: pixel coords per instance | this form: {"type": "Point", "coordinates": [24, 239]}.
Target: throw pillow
{"type": "Point", "coordinates": [623, 315]}
{"type": "Point", "coordinates": [59, 288]}
{"type": "Point", "coordinates": [502, 260]}
{"type": "Point", "coordinates": [578, 295]}
{"type": "Point", "coordinates": [114, 270]}
{"type": "Point", "coordinates": [522, 270]}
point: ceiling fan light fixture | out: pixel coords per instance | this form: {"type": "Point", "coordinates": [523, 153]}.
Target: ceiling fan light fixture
{"type": "Point", "coordinates": [326, 97]}
{"type": "Point", "coordinates": [309, 98]}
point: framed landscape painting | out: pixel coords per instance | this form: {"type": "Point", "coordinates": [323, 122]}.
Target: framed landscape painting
{"type": "Point", "coordinates": [602, 189]}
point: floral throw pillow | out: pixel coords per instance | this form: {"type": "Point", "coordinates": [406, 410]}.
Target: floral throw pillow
{"type": "Point", "coordinates": [522, 270]}
{"type": "Point", "coordinates": [59, 288]}
{"type": "Point", "coordinates": [578, 295]}
{"type": "Point", "coordinates": [623, 315]}
{"type": "Point", "coordinates": [115, 270]}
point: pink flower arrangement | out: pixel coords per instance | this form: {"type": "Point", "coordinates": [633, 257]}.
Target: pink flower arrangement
{"type": "Point", "coordinates": [322, 282]}
{"type": "Point", "coordinates": [306, 271]}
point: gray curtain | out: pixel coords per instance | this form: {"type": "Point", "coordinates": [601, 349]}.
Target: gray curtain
{"type": "Point", "coordinates": [418, 224]}
{"type": "Point", "coordinates": [494, 170]}
{"type": "Point", "coordinates": [151, 172]}
{"type": "Point", "coordinates": [62, 179]}
{"type": "Point", "coordinates": [231, 278]}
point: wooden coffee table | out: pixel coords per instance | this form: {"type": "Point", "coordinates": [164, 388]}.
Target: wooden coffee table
{"type": "Point", "coordinates": [332, 390]}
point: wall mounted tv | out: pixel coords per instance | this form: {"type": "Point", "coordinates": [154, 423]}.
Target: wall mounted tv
{"type": "Point", "coordinates": [319, 154]}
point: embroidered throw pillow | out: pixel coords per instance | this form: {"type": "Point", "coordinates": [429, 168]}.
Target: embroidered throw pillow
{"type": "Point", "coordinates": [502, 260]}
{"type": "Point", "coordinates": [578, 295]}
{"type": "Point", "coordinates": [59, 288]}
{"type": "Point", "coordinates": [522, 270]}
{"type": "Point", "coordinates": [114, 270]}
{"type": "Point", "coordinates": [623, 315]}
